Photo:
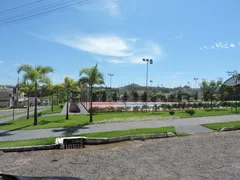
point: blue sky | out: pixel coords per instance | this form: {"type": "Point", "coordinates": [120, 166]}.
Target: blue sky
{"type": "Point", "coordinates": [185, 39]}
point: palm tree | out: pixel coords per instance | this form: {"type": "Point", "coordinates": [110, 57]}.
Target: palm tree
{"type": "Point", "coordinates": [36, 75]}
{"type": "Point", "coordinates": [91, 76]}
{"type": "Point", "coordinates": [70, 85]}
{"type": "Point", "coordinates": [26, 88]}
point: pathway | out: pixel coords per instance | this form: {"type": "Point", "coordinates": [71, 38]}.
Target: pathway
{"type": "Point", "coordinates": [188, 125]}
{"type": "Point", "coordinates": [17, 115]}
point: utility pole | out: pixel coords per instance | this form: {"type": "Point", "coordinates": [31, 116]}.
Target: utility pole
{"type": "Point", "coordinates": [111, 75]}
{"type": "Point", "coordinates": [188, 86]}
{"type": "Point", "coordinates": [148, 61]}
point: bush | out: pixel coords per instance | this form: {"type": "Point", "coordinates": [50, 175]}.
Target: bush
{"type": "Point", "coordinates": [190, 112]}
{"type": "Point", "coordinates": [39, 114]}
{"type": "Point", "coordinates": [136, 108]}
{"type": "Point", "coordinates": [171, 112]}
{"type": "Point", "coordinates": [61, 105]}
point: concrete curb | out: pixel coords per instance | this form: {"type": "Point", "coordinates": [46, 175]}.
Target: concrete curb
{"type": "Point", "coordinates": [30, 148]}
{"type": "Point", "coordinates": [231, 128]}
{"type": "Point", "coordinates": [97, 141]}
{"type": "Point", "coordinates": [92, 141]}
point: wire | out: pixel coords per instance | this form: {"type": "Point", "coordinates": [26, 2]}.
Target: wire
{"type": "Point", "coordinates": [81, 3]}
{"type": "Point", "coordinates": [27, 11]}
{"type": "Point", "coordinates": [20, 7]}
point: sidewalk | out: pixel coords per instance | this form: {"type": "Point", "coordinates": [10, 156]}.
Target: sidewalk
{"type": "Point", "coordinates": [188, 125]}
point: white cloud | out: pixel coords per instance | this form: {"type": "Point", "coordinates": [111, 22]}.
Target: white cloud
{"type": "Point", "coordinates": [110, 48]}
{"type": "Point", "coordinates": [115, 61]}
{"type": "Point", "coordinates": [112, 7]}
{"type": "Point", "coordinates": [101, 45]}
{"type": "Point", "coordinates": [220, 45]}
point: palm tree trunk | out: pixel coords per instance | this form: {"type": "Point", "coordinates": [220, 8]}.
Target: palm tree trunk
{"type": "Point", "coordinates": [28, 107]}
{"type": "Point", "coordinates": [52, 103]}
{"type": "Point", "coordinates": [35, 108]}
{"type": "Point", "coordinates": [67, 116]}
{"type": "Point", "coordinates": [91, 88]}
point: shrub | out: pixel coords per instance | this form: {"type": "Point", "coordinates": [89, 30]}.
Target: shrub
{"type": "Point", "coordinates": [190, 112]}
{"type": "Point", "coordinates": [39, 114]}
{"type": "Point", "coordinates": [61, 105]}
{"type": "Point", "coordinates": [171, 112]}
{"type": "Point", "coordinates": [136, 108]}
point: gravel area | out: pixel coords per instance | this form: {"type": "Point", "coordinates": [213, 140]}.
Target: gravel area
{"type": "Point", "coordinates": [205, 156]}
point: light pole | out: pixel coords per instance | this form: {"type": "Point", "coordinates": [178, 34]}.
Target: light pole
{"type": "Point", "coordinates": [148, 61]}
{"type": "Point", "coordinates": [196, 83]}
{"type": "Point", "coordinates": [111, 75]}
{"type": "Point", "coordinates": [151, 81]}
{"type": "Point", "coordinates": [188, 86]}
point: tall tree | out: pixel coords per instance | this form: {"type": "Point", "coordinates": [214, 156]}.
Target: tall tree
{"type": "Point", "coordinates": [91, 76]}
{"type": "Point", "coordinates": [36, 75]}
{"type": "Point", "coordinates": [69, 85]}
{"type": "Point", "coordinates": [210, 89]}
{"type": "Point", "coordinates": [26, 89]}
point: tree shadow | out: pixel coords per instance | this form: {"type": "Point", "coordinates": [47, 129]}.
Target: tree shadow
{"type": "Point", "coordinates": [43, 122]}
{"type": "Point", "coordinates": [70, 130]}
{"type": "Point", "coordinates": [8, 132]}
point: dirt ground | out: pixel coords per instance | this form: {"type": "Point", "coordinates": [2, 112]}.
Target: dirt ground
{"type": "Point", "coordinates": [205, 156]}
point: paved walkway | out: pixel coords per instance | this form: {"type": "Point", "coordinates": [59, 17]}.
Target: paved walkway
{"type": "Point", "coordinates": [188, 125]}
{"type": "Point", "coordinates": [17, 115]}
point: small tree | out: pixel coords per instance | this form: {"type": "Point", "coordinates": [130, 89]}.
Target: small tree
{"type": "Point", "coordinates": [135, 96]}
{"type": "Point", "coordinates": [114, 96]}
{"type": "Point", "coordinates": [104, 96]}
{"type": "Point", "coordinates": [144, 97]}
{"type": "Point", "coordinates": [196, 96]}
{"type": "Point", "coordinates": [179, 96]}
{"type": "Point", "coordinates": [125, 97]}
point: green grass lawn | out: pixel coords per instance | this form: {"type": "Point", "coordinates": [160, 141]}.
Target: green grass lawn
{"type": "Point", "coordinates": [56, 109]}
{"type": "Point", "coordinates": [131, 132]}
{"type": "Point", "coordinates": [80, 120]}
{"type": "Point", "coordinates": [51, 140]}
{"type": "Point", "coordinates": [219, 126]}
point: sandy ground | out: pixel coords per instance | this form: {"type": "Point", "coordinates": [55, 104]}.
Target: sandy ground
{"type": "Point", "coordinates": [205, 156]}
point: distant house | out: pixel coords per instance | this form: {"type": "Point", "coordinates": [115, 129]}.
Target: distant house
{"type": "Point", "coordinates": [6, 98]}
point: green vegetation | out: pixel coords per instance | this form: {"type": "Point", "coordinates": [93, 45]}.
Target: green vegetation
{"type": "Point", "coordinates": [80, 120]}
{"type": "Point", "coordinates": [31, 142]}
{"type": "Point", "coordinates": [56, 109]}
{"type": "Point", "coordinates": [219, 126]}
{"type": "Point", "coordinates": [131, 132]}
{"type": "Point", "coordinates": [51, 140]}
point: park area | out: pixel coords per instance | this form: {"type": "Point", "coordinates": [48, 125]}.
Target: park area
{"type": "Point", "coordinates": [205, 156]}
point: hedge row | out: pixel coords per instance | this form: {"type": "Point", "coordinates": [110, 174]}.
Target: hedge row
{"type": "Point", "coordinates": [179, 106]}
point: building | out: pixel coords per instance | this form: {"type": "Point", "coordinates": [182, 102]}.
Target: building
{"type": "Point", "coordinates": [232, 95]}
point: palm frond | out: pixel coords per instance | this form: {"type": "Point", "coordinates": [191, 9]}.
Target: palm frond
{"type": "Point", "coordinates": [24, 68]}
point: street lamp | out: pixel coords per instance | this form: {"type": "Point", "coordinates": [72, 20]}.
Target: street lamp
{"type": "Point", "coordinates": [110, 75]}
{"type": "Point", "coordinates": [148, 61]}
{"type": "Point", "coordinates": [151, 81]}
{"type": "Point", "coordinates": [196, 82]}
{"type": "Point", "coordinates": [188, 86]}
